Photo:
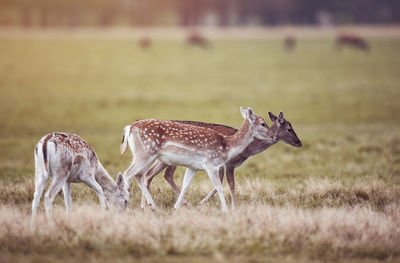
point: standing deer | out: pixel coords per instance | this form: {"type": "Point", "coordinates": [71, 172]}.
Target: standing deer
{"type": "Point", "coordinates": [351, 40]}
{"type": "Point", "coordinates": [67, 158]}
{"type": "Point", "coordinates": [194, 147]}
{"type": "Point", "coordinates": [145, 42]}
{"type": "Point", "coordinates": [281, 128]}
{"type": "Point", "coordinates": [289, 43]}
{"type": "Point", "coordinates": [197, 39]}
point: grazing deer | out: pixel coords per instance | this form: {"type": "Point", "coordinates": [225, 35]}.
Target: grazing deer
{"type": "Point", "coordinates": [194, 147]}
{"type": "Point", "coordinates": [351, 41]}
{"type": "Point", "coordinates": [196, 39]}
{"type": "Point", "coordinates": [145, 42]}
{"type": "Point", "coordinates": [67, 158]}
{"type": "Point", "coordinates": [289, 43]}
{"type": "Point", "coordinates": [281, 128]}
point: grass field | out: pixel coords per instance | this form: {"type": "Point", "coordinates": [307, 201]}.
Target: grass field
{"type": "Point", "coordinates": [335, 199]}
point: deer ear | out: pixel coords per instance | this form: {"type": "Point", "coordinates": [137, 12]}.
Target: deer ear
{"type": "Point", "coordinates": [281, 120]}
{"type": "Point", "coordinates": [243, 111]}
{"type": "Point", "coordinates": [251, 115]}
{"type": "Point", "coordinates": [120, 181]}
{"type": "Point", "coordinates": [272, 116]}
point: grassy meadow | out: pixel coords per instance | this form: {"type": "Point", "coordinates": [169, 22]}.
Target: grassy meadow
{"type": "Point", "coordinates": [336, 199]}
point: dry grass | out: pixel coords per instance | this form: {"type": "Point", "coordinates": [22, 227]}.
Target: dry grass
{"type": "Point", "coordinates": [329, 233]}
{"type": "Point", "coordinates": [309, 195]}
{"type": "Point", "coordinates": [317, 220]}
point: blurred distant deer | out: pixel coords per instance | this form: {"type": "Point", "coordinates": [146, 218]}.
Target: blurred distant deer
{"type": "Point", "coordinates": [351, 40]}
{"type": "Point", "coordinates": [289, 43]}
{"type": "Point", "coordinates": [196, 39]}
{"type": "Point", "coordinates": [145, 42]}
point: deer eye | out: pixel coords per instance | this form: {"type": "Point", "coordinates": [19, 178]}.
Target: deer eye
{"type": "Point", "coordinates": [263, 124]}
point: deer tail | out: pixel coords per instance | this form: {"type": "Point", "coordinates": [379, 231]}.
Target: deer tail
{"type": "Point", "coordinates": [125, 137]}
{"type": "Point", "coordinates": [41, 164]}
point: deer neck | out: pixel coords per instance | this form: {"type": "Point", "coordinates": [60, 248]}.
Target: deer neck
{"type": "Point", "coordinates": [105, 181]}
{"type": "Point", "coordinates": [257, 146]}
{"type": "Point", "coordinates": [240, 140]}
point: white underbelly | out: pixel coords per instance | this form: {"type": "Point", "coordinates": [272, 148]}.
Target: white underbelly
{"type": "Point", "coordinates": [183, 156]}
{"type": "Point", "coordinates": [182, 160]}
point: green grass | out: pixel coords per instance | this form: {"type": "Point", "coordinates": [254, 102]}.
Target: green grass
{"type": "Point", "coordinates": [344, 106]}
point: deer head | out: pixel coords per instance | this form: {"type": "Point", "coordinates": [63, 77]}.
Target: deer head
{"type": "Point", "coordinates": [283, 130]}
{"type": "Point", "coordinates": [258, 125]}
{"type": "Point", "coordinates": [119, 200]}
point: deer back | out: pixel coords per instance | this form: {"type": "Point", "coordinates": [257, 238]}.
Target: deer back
{"type": "Point", "coordinates": [69, 150]}
{"type": "Point", "coordinates": [157, 134]}
{"type": "Point", "coordinates": [223, 129]}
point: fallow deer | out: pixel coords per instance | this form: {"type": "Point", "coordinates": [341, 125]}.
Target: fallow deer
{"type": "Point", "coordinates": [289, 43]}
{"type": "Point", "coordinates": [145, 42]}
{"type": "Point", "coordinates": [67, 158]}
{"type": "Point", "coordinates": [196, 148]}
{"type": "Point", "coordinates": [197, 39]}
{"type": "Point", "coordinates": [281, 128]}
{"type": "Point", "coordinates": [351, 40]}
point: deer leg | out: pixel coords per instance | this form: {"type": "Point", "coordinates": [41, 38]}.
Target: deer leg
{"type": "Point", "coordinates": [154, 170]}
{"type": "Point", "coordinates": [67, 197]}
{"type": "Point", "coordinates": [213, 174]}
{"type": "Point", "coordinates": [129, 175]}
{"type": "Point", "coordinates": [92, 183]}
{"type": "Point", "coordinates": [187, 180]}
{"type": "Point", "coordinates": [139, 167]}
{"type": "Point", "coordinates": [230, 177]}
{"type": "Point", "coordinates": [54, 189]}
{"type": "Point", "coordinates": [213, 192]}
{"type": "Point", "coordinates": [205, 199]}
{"type": "Point", "coordinates": [147, 195]}
{"type": "Point", "coordinates": [41, 177]}
{"type": "Point", "coordinates": [139, 178]}
{"type": "Point", "coordinates": [40, 182]}
{"type": "Point", "coordinates": [169, 177]}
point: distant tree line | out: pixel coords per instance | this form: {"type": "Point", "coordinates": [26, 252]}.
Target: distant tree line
{"type": "Point", "coordinates": [78, 13]}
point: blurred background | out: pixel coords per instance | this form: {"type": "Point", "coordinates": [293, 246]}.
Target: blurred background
{"type": "Point", "coordinates": [92, 67]}
{"type": "Point", "coordinates": [106, 13]}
